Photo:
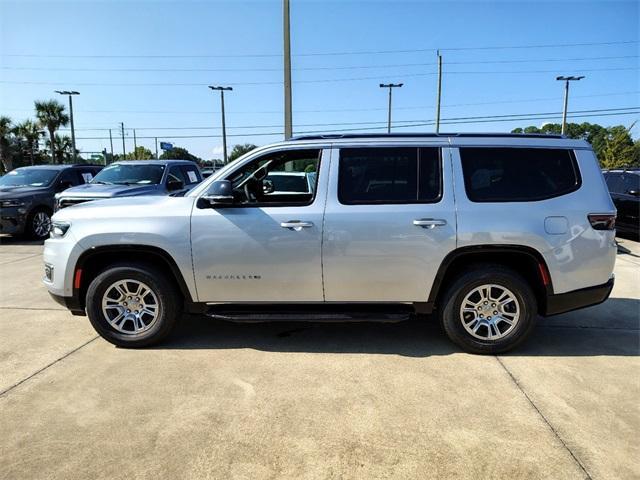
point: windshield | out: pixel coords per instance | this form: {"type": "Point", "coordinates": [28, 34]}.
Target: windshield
{"type": "Point", "coordinates": [32, 177]}
{"type": "Point", "coordinates": [130, 174]}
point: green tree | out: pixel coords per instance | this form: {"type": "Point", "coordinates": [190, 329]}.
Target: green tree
{"type": "Point", "coordinates": [179, 153]}
{"type": "Point", "coordinates": [239, 150]}
{"type": "Point", "coordinates": [61, 148]}
{"type": "Point", "coordinates": [29, 133]}
{"type": "Point", "coordinates": [613, 146]}
{"type": "Point", "coordinates": [140, 153]}
{"type": "Point", "coordinates": [51, 115]}
{"type": "Point", "coordinates": [6, 131]}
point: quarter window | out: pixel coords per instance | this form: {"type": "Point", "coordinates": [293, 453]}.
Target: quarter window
{"type": "Point", "coordinates": [518, 174]}
{"type": "Point", "coordinates": [389, 175]}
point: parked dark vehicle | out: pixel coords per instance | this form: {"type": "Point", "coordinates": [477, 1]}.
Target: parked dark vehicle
{"type": "Point", "coordinates": [624, 187]}
{"type": "Point", "coordinates": [27, 196]}
{"type": "Point", "coordinates": [135, 178]}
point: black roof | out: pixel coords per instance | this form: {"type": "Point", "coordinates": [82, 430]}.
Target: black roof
{"type": "Point", "coordinates": [422, 135]}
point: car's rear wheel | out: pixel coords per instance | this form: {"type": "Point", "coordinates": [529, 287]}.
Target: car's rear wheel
{"type": "Point", "coordinates": [38, 224]}
{"type": "Point", "coordinates": [132, 306]}
{"type": "Point", "coordinates": [488, 309]}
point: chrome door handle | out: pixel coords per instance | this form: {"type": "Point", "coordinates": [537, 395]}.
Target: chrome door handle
{"type": "Point", "coordinates": [296, 225]}
{"type": "Point", "coordinates": [429, 222]}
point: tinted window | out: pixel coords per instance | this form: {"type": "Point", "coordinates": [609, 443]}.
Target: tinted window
{"type": "Point", "coordinates": [389, 175]}
{"type": "Point", "coordinates": [69, 177]}
{"type": "Point", "coordinates": [614, 182]}
{"type": "Point", "coordinates": [176, 174]}
{"type": "Point", "coordinates": [518, 174]}
{"type": "Point", "coordinates": [630, 182]}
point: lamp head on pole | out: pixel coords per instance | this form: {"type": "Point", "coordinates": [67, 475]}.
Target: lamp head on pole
{"type": "Point", "coordinates": [212, 87]}
{"type": "Point", "coordinates": [67, 92]}
{"type": "Point", "coordinates": [570, 78]}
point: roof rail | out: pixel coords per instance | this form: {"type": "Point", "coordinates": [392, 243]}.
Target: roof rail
{"type": "Point", "coordinates": [330, 136]}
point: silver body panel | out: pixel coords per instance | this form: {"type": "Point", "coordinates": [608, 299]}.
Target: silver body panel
{"type": "Point", "coordinates": [351, 253]}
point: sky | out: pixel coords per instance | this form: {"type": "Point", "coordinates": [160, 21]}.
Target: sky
{"type": "Point", "coordinates": [148, 63]}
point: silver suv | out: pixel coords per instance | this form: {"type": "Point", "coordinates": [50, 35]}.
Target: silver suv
{"type": "Point", "coordinates": [484, 231]}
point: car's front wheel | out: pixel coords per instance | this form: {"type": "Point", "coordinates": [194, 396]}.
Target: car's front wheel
{"type": "Point", "coordinates": [488, 309]}
{"type": "Point", "coordinates": [133, 305]}
{"type": "Point", "coordinates": [38, 224]}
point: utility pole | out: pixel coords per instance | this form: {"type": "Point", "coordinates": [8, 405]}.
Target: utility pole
{"type": "Point", "coordinates": [124, 150]}
{"type": "Point", "coordinates": [157, 158]}
{"type": "Point", "coordinates": [288, 117]}
{"type": "Point", "coordinates": [439, 92]}
{"type": "Point", "coordinates": [566, 81]}
{"type": "Point", "coordinates": [390, 86]}
{"type": "Point", "coordinates": [111, 143]}
{"type": "Point", "coordinates": [135, 145]}
{"type": "Point", "coordinates": [224, 127]}
{"type": "Point", "coordinates": [70, 93]}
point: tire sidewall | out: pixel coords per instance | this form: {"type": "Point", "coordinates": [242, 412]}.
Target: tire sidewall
{"type": "Point", "coordinates": [156, 282]}
{"type": "Point", "coordinates": [452, 323]}
{"type": "Point", "coordinates": [30, 227]}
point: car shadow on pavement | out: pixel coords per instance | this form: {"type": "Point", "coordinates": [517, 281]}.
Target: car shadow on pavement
{"type": "Point", "coordinates": [412, 338]}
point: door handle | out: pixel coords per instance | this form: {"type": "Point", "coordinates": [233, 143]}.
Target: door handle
{"type": "Point", "coordinates": [429, 222]}
{"type": "Point", "coordinates": [296, 225]}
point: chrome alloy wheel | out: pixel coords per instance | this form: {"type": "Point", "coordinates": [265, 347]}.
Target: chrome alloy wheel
{"type": "Point", "coordinates": [489, 312]}
{"type": "Point", "coordinates": [130, 306]}
{"type": "Point", "coordinates": [41, 224]}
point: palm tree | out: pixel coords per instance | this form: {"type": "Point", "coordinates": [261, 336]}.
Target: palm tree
{"type": "Point", "coordinates": [52, 116]}
{"type": "Point", "coordinates": [30, 133]}
{"type": "Point", "coordinates": [62, 147]}
{"type": "Point", "coordinates": [5, 133]}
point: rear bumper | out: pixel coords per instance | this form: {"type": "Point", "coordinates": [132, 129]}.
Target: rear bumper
{"type": "Point", "coordinates": [585, 297]}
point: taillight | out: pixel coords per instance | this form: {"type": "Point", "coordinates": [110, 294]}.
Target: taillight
{"type": "Point", "coordinates": [602, 221]}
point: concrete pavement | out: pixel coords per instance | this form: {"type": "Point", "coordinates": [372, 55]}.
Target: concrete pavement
{"type": "Point", "coordinates": [315, 400]}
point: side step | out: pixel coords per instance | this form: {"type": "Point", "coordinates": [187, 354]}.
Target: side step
{"type": "Point", "coordinates": [256, 314]}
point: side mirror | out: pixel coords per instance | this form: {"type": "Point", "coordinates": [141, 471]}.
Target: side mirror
{"type": "Point", "coordinates": [174, 184]}
{"type": "Point", "coordinates": [220, 194]}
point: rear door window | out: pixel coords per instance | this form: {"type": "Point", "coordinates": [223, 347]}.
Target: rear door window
{"type": "Point", "coordinates": [389, 175]}
{"type": "Point", "coordinates": [614, 182]}
{"type": "Point", "coordinates": [518, 174]}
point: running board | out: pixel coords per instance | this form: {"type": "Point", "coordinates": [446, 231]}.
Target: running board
{"type": "Point", "coordinates": [256, 316]}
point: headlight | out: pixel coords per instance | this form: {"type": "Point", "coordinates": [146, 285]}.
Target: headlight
{"type": "Point", "coordinates": [11, 203]}
{"type": "Point", "coordinates": [59, 229]}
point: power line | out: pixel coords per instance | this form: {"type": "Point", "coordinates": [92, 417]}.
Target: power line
{"type": "Point", "coordinates": [418, 123]}
{"type": "Point", "coordinates": [364, 123]}
{"type": "Point", "coordinates": [338, 53]}
{"type": "Point", "coordinates": [328, 80]}
{"type": "Point", "coordinates": [349, 67]}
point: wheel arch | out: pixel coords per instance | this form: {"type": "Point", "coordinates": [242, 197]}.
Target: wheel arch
{"type": "Point", "coordinates": [95, 260]}
{"type": "Point", "coordinates": [527, 261]}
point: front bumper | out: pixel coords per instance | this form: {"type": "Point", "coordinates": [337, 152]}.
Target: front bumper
{"type": "Point", "coordinates": [70, 303]}
{"type": "Point", "coordinates": [585, 297]}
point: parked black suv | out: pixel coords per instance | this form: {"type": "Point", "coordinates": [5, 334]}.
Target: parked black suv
{"type": "Point", "coordinates": [624, 186]}
{"type": "Point", "coordinates": [27, 196]}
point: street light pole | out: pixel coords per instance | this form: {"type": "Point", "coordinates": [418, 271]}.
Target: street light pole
{"type": "Point", "coordinates": [124, 150]}
{"type": "Point", "coordinates": [288, 116]}
{"type": "Point", "coordinates": [439, 92]}
{"type": "Point", "coordinates": [70, 93]}
{"type": "Point", "coordinates": [224, 127]}
{"type": "Point", "coordinates": [566, 81]}
{"type": "Point", "coordinates": [390, 86]}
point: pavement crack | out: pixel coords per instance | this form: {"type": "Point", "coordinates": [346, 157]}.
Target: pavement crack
{"type": "Point", "coordinates": [20, 259]}
{"type": "Point", "coordinates": [37, 372]}
{"type": "Point", "coordinates": [555, 432]}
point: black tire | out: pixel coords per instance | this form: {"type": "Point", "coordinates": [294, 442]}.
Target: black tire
{"type": "Point", "coordinates": [162, 287]}
{"type": "Point", "coordinates": [450, 311]}
{"type": "Point", "coordinates": [30, 228]}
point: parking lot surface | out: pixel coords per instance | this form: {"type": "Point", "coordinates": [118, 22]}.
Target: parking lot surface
{"type": "Point", "coordinates": [296, 400]}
